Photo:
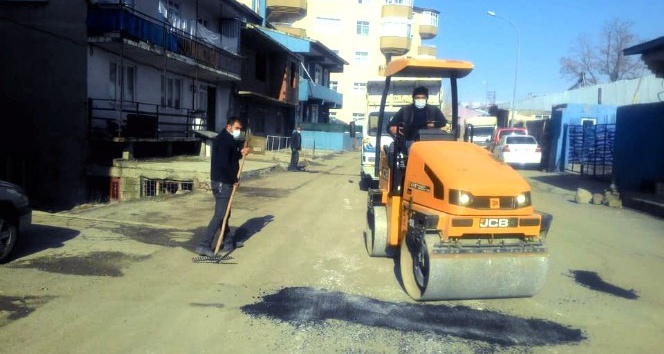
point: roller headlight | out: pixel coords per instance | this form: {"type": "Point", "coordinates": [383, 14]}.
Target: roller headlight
{"type": "Point", "coordinates": [523, 200]}
{"type": "Point", "coordinates": [461, 198]}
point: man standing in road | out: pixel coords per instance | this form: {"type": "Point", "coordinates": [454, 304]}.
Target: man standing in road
{"type": "Point", "coordinates": [419, 115]}
{"type": "Point", "coordinates": [224, 166]}
{"type": "Point", "coordinates": [296, 146]}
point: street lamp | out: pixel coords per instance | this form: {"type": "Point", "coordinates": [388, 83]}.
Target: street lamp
{"type": "Point", "coordinates": [516, 66]}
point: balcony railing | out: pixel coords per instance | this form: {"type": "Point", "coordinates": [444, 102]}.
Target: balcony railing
{"type": "Point", "coordinates": [111, 120]}
{"type": "Point", "coordinates": [311, 91]}
{"type": "Point", "coordinates": [131, 24]}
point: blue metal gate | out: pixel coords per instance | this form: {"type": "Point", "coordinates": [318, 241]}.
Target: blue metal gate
{"type": "Point", "coordinates": [590, 149]}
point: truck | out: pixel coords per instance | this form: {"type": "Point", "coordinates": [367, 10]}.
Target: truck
{"type": "Point", "coordinates": [479, 129]}
{"type": "Point", "coordinates": [399, 95]}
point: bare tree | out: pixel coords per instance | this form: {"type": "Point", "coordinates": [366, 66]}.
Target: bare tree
{"type": "Point", "coordinates": [590, 63]}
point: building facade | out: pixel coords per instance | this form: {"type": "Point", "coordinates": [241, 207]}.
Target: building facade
{"type": "Point", "coordinates": [366, 33]}
{"type": "Point", "coordinates": [95, 81]}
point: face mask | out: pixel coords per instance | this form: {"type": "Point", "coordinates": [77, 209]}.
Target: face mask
{"type": "Point", "coordinates": [236, 133]}
{"type": "Point", "coordinates": [420, 103]}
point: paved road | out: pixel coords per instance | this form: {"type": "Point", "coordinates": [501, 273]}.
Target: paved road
{"type": "Point", "coordinates": [119, 279]}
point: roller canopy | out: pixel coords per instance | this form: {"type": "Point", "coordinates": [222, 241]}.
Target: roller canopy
{"type": "Point", "coordinates": [412, 67]}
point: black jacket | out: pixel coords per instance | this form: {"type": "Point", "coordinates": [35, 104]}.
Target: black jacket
{"type": "Point", "coordinates": [407, 114]}
{"type": "Point", "coordinates": [296, 141]}
{"type": "Point", "coordinates": [226, 153]}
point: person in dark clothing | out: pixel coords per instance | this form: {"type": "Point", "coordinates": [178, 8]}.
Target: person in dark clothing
{"type": "Point", "coordinates": [224, 166]}
{"type": "Point", "coordinates": [296, 146]}
{"type": "Point", "coordinates": [410, 119]}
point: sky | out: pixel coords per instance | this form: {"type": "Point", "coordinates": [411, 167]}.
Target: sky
{"type": "Point", "coordinates": [547, 32]}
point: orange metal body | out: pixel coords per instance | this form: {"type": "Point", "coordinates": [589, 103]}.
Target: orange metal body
{"type": "Point", "coordinates": [436, 167]}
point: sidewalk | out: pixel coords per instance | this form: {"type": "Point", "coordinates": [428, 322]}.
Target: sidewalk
{"type": "Point", "coordinates": [568, 183]}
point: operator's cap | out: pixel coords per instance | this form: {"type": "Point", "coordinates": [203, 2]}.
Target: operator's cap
{"type": "Point", "coordinates": [421, 90]}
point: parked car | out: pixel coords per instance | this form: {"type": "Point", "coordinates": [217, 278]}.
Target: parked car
{"type": "Point", "coordinates": [15, 217]}
{"type": "Point", "coordinates": [500, 132]}
{"type": "Point", "coordinates": [521, 150]}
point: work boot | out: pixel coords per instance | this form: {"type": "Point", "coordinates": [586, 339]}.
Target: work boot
{"type": "Point", "coordinates": [204, 251]}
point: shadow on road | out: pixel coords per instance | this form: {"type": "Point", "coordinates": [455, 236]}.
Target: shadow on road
{"type": "Point", "coordinates": [42, 237]}
{"type": "Point", "coordinates": [252, 227]}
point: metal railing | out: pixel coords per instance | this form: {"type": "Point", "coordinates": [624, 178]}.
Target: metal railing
{"type": "Point", "coordinates": [111, 119]}
{"type": "Point", "coordinates": [133, 24]}
{"type": "Point", "coordinates": [276, 142]}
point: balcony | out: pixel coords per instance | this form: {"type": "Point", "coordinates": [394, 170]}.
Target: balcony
{"type": "Point", "coordinates": [286, 10]}
{"type": "Point", "coordinates": [427, 50]}
{"type": "Point", "coordinates": [428, 31]}
{"type": "Point", "coordinates": [428, 24]}
{"type": "Point", "coordinates": [394, 45]}
{"type": "Point", "coordinates": [394, 10]}
{"type": "Point", "coordinates": [295, 31]}
{"type": "Point", "coordinates": [310, 91]}
{"type": "Point", "coordinates": [147, 40]}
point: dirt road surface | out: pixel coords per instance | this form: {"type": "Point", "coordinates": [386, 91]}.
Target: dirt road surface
{"type": "Point", "coordinates": [120, 279]}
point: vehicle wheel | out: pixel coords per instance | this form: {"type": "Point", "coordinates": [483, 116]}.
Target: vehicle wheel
{"type": "Point", "coordinates": [8, 236]}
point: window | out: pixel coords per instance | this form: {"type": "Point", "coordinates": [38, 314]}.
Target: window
{"type": "Point", "coordinates": [334, 85]}
{"type": "Point", "coordinates": [363, 2]}
{"type": "Point", "coordinates": [396, 27]}
{"type": "Point", "coordinates": [361, 58]}
{"type": "Point", "coordinates": [359, 87]}
{"type": "Point", "coordinates": [363, 28]}
{"type": "Point", "coordinates": [326, 24]}
{"type": "Point", "coordinates": [171, 92]}
{"type": "Point", "coordinates": [121, 86]}
{"type": "Point", "coordinates": [357, 116]}
{"type": "Point", "coordinates": [318, 75]}
{"type": "Point", "coordinates": [430, 18]}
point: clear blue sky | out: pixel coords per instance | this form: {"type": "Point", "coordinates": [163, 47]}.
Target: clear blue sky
{"type": "Point", "coordinates": [548, 30]}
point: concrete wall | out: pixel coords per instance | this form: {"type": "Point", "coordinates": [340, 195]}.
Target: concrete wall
{"type": "Point", "coordinates": [331, 141]}
{"type": "Point", "coordinates": [43, 67]}
{"type": "Point", "coordinates": [639, 160]}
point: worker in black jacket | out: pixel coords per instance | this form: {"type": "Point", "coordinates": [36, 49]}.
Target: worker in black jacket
{"type": "Point", "coordinates": [227, 150]}
{"type": "Point", "coordinates": [407, 122]}
{"type": "Point", "coordinates": [296, 146]}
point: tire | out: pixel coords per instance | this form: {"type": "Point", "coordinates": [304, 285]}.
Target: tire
{"type": "Point", "coordinates": [8, 238]}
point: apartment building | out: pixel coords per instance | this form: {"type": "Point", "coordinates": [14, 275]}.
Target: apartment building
{"type": "Point", "coordinates": [318, 62]}
{"type": "Point", "coordinates": [366, 33]}
{"type": "Point", "coordinates": [97, 80]}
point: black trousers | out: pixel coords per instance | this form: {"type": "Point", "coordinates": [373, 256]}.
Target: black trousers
{"type": "Point", "coordinates": [294, 158]}
{"type": "Point", "coordinates": [222, 195]}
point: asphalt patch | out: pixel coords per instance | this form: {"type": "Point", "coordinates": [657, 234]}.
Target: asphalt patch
{"type": "Point", "coordinates": [593, 281]}
{"type": "Point", "coordinates": [264, 192]}
{"type": "Point", "coordinates": [105, 264]}
{"type": "Point", "coordinates": [302, 306]}
{"type": "Point", "coordinates": [13, 307]}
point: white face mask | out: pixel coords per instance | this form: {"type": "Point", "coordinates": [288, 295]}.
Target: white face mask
{"type": "Point", "coordinates": [420, 103]}
{"type": "Point", "coordinates": [236, 133]}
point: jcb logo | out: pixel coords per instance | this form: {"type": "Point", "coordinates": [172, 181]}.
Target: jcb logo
{"type": "Point", "coordinates": [494, 223]}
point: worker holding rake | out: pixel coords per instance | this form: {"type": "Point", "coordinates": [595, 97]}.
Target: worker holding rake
{"type": "Point", "coordinates": [227, 151]}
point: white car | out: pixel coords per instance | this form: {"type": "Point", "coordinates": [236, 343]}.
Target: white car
{"type": "Point", "coordinates": [521, 150]}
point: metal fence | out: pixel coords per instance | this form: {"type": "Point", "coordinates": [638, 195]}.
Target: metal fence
{"type": "Point", "coordinates": [111, 119]}
{"type": "Point", "coordinates": [590, 149]}
{"type": "Point", "coordinates": [276, 142]}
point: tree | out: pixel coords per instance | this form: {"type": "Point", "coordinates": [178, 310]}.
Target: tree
{"type": "Point", "coordinates": [588, 63]}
